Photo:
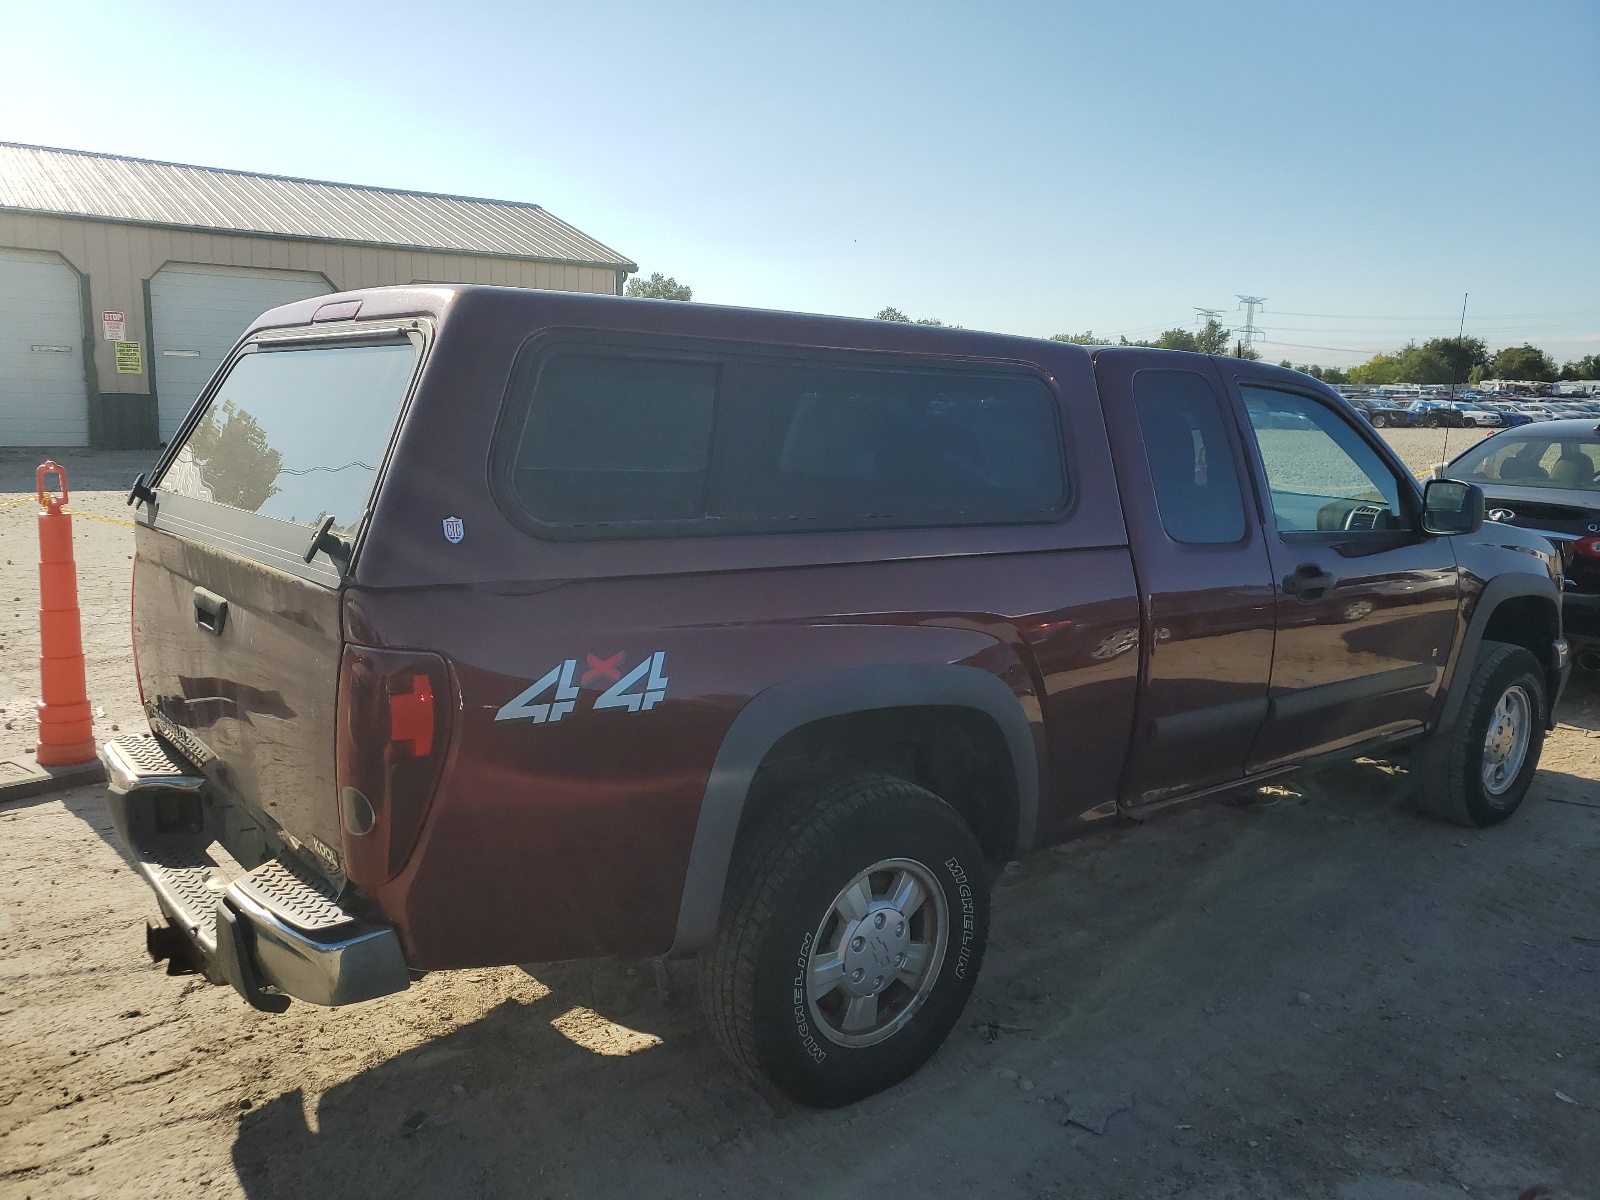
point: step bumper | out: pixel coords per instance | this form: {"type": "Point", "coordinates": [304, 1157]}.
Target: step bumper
{"type": "Point", "coordinates": [272, 932]}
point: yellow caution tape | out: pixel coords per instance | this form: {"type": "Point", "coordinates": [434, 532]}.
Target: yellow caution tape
{"type": "Point", "coordinates": [13, 503]}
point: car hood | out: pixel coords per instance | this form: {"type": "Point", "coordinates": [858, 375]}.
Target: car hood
{"type": "Point", "coordinates": [1509, 495]}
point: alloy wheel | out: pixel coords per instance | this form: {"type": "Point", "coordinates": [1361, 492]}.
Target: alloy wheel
{"type": "Point", "coordinates": [876, 953]}
{"type": "Point", "coordinates": [1505, 744]}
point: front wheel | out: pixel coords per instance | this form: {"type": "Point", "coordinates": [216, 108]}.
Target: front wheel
{"type": "Point", "coordinates": [1477, 772]}
{"type": "Point", "coordinates": [851, 936]}
{"type": "Point", "coordinates": [1380, 420]}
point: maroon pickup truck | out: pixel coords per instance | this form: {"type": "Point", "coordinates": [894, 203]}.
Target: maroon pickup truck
{"type": "Point", "coordinates": [481, 626]}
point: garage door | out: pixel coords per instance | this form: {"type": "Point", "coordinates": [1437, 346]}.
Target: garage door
{"type": "Point", "coordinates": [197, 314]}
{"type": "Point", "coordinates": [43, 398]}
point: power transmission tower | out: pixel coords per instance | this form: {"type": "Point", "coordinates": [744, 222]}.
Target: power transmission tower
{"type": "Point", "coordinates": [1250, 332]}
{"type": "Point", "coordinates": [1208, 314]}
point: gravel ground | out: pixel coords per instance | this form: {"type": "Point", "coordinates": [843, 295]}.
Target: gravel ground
{"type": "Point", "coordinates": [1311, 992]}
{"type": "Point", "coordinates": [1419, 449]}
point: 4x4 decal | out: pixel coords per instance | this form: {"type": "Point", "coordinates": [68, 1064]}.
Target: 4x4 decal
{"type": "Point", "coordinates": [531, 704]}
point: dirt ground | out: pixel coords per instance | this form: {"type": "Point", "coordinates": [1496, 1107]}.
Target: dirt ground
{"type": "Point", "coordinates": [1312, 992]}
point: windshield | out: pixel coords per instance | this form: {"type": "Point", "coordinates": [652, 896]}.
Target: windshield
{"type": "Point", "coordinates": [296, 434]}
{"type": "Point", "coordinates": [1572, 463]}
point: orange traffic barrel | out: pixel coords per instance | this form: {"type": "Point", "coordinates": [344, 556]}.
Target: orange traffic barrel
{"type": "Point", "coordinates": [66, 732]}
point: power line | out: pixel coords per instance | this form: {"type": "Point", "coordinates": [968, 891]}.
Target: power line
{"type": "Point", "coordinates": [1483, 317]}
{"type": "Point", "coordinates": [1336, 349]}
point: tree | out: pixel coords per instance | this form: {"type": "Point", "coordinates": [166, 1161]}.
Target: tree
{"type": "Point", "coordinates": [1174, 339]}
{"type": "Point", "coordinates": [1212, 338]}
{"type": "Point", "coordinates": [658, 287]}
{"type": "Point", "coordinates": [237, 464]}
{"type": "Point", "coordinates": [1438, 360]}
{"type": "Point", "coordinates": [1326, 374]}
{"type": "Point", "coordinates": [1380, 368]}
{"type": "Point", "coordinates": [1448, 360]}
{"type": "Point", "coordinates": [1523, 362]}
{"type": "Point", "coordinates": [1587, 367]}
{"type": "Point", "coordinates": [900, 318]}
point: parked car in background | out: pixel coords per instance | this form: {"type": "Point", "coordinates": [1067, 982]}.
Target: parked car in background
{"type": "Point", "coordinates": [1562, 410]}
{"type": "Point", "coordinates": [1546, 477]}
{"type": "Point", "coordinates": [1437, 414]}
{"type": "Point", "coordinates": [482, 626]}
{"type": "Point", "coordinates": [1510, 414]}
{"type": "Point", "coordinates": [1538, 412]}
{"type": "Point", "coordinates": [1384, 413]}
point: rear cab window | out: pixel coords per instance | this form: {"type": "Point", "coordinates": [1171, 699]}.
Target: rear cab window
{"type": "Point", "coordinates": [295, 435]}
{"type": "Point", "coordinates": [1198, 493]}
{"type": "Point", "coordinates": [619, 443]}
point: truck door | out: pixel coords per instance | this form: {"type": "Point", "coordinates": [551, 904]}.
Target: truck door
{"type": "Point", "coordinates": [1205, 580]}
{"type": "Point", "coordinates": [1367, 603]}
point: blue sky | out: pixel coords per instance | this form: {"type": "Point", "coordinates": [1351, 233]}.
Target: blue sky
{"type": "Point", "coordinates": [1029, 168]}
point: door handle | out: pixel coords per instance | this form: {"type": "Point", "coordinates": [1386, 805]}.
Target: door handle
{"type": "Point", "coordinates": [1308, 582]}
{"type": "Point", "coordinates": [210, 611]}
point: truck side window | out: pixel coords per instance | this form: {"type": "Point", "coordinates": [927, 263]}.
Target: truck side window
{"type": "Point", "coordinates": [853, 447]}
{"type": "Point", "coordinates": [1191, 464]}
{"type": "Point", "coordinates": [616, 439]}
{"type": "Point", "coordinates": [635, 445]}
{"type": "Point", "coordinates": [1322, 474]}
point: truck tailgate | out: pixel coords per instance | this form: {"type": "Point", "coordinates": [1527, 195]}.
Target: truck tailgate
{"type": "Point", "coordinates": [253, 691]}
{"type": "Point", "coordinates": [239, 576]}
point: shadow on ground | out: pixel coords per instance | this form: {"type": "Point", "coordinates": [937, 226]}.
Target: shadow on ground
{"type": "Point", "coordinates": [1312, 993]}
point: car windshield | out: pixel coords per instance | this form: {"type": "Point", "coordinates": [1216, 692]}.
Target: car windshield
{"type": "Point", "coordinates": [1572, 463]}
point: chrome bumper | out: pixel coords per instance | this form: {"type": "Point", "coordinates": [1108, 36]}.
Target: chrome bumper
{"type": "Point", "coordinates": [271, 932]}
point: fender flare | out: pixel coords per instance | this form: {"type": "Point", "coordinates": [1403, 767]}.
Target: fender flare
{"type": "Point", "coordinates": [778, 710]}
{"type": "Point", "coordinates": [1496, 592]}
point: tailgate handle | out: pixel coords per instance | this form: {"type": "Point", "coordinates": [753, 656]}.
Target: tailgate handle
{"type": "Point", "coordinates": [210, 611]}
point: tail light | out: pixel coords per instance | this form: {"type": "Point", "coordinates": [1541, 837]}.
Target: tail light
{"type": "Point", "coordinates": [394, 727]}
{"type": "Point", "coordinates": [1587, 547]}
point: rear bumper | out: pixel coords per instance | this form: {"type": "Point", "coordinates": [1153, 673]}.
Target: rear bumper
{"type": "Point", "coordinates": [271, 932]}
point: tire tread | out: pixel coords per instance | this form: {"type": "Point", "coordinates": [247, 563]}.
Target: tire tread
{"type": "Point", "coordinates": [757, 877]}
{"type": "Point", "coordinates": [1441, 762]}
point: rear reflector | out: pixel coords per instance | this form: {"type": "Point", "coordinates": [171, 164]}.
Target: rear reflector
{"type": "Point", "coordinates": [394, 728]}
{"type": "Point", "coordinates": [342, 310]}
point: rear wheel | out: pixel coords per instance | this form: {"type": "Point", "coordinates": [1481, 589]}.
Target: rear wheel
{"type": "Point", "coordinates": [1433, 421]}
{"type": "Point", "coordinates": [851, 936]}
{"type": "Point", "coordinates": [1477, 772]}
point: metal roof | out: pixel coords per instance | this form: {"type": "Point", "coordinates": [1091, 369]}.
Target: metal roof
{"type": "Point", "coordinates": [107, 187]}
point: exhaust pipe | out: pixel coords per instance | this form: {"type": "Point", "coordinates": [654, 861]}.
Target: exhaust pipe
{"type": "Point", "coordinates": [1589, 659]}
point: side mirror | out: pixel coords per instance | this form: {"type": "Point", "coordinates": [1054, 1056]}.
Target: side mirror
{"type": "Point", "coordinates": [1450, 506]}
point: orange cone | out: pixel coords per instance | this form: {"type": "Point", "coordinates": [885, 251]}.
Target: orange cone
{"type": "Point", "coordinates": [66, 732]}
